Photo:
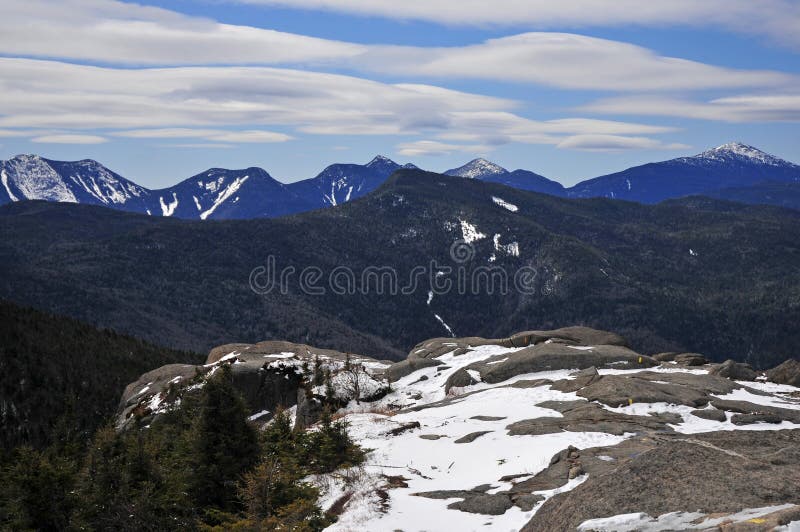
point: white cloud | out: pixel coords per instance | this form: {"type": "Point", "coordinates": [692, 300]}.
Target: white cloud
{"type": "Point", "coordinates": [741, 108]}
{"type": "Point", "coordinates": [218, 135]}
{"type": "Point", "coordinates": [615, 143]}
{"type": "Point", "coordinates": [200, 146]}
{"type": "Point", "coordinates": [123, 33]}
{"type": "Point", "coordinates": [195, 102]}
{"type": "Point", "coordinates": [563, 60]}
{"type": "Point", "coordinates": [777, 19]}
{"type": "Point", "coordinates": [69, 139]}
{"type": "Point", "coordinates": [112, 32]}
{"type": "Point", "coordinates": [432, 148]}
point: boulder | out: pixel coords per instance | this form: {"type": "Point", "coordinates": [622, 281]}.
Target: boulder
{"type": "Point", "coordinates": [459, 379]}
{"type": "Point", "coordinates": [547, 357]}
{"type": "Point", "coordinates": [736, 371]}
{"type": "Point", "coordinates": [748, 408]}
{"type": "Point", "coordinates": [583, 416]}
{"type": "Point", "coordinates": [712, 414]}
{"type": "Point", "coordinates": [668, 356]}
{"type": "Point", "coordinates": [473, 501]}
{"type": "Point", "coordinates": [398, 370]}
{"type": "Point", "coordinates": [786, 373]}
{"type": "Point", "coordinates": [576, 335]}
{"type": "Point", "coordinates": [472, 436]}
{"type": "Point", "coordinates": [690, 359]}
{"type": "Point", "coordinates": [621, 390]}
{"type": "Point", "coordinates": [484, 503]}
{"type": "Point", "coordinates": [582, 378]}
{"type": "Point", "coordinates": [749, 419]}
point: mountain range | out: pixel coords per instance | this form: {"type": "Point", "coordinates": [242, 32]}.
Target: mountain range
{"type": "Point", "coordinates": [733, 171]}
{"type": "Point", "coordinates": [687, 274]}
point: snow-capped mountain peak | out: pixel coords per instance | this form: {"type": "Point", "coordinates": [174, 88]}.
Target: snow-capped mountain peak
{"type": "Point", "coordinates": [31, 177]}
{"type": "Point", "coordinates": [477, 169]}
{"type": "Point", "coordinates": [382, 165]}
{"type": "Point", "coordinates": [740, 152]}
{"type": "Point", "coordinates": [380, 160]}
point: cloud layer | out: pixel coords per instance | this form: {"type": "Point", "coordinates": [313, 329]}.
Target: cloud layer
{"type": "Point", "coordinates": [195, 82]}
{"type": "Point", "coordinates": [776, 19]}
{"type": "Point", "coordinates": [198, 102]}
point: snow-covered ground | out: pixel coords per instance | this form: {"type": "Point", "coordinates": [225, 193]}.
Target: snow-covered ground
{"type": "Point", "coordinates": [428, 457]}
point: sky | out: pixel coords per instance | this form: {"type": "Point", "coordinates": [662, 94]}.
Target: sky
{"type": "Point", "coordinates": [163, 89]}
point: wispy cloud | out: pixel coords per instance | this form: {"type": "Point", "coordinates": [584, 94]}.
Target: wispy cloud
{"type": "Point", "coordinates": [217, 135]}
{"type": "Point", "coordinates": [115, 32]}
{"type": "Point", "coordinates": [112, 32]}
{"type": "Point", "coordinates": [741, 108]}
{"type": "Point", "coordinates": [616, 143]}
{"type": "Point", "coordinates": [432, 148]}
{"type": "Point", "coordinates": [564, 60]}
{"type": "Point", "coordinates": [776, 19]}
{"type": "Point", "coordinates": [195, 102]}
{"type": "Point", "coordinates": [69, 139]}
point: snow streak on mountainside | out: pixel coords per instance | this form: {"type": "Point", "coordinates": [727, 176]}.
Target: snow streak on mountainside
{"type": "Point", "coordinates": [32, 177]}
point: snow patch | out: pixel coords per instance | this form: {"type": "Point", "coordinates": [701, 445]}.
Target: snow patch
{"type": "Point", "coordinates": [502, 203]}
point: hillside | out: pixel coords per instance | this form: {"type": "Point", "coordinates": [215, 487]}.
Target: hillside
{"type": "Point", "coordinates": [544, 430]}
{"type": "Point", "coordinates": [60, 378]}
{"type": "Point", "coordinates": [692, 274]}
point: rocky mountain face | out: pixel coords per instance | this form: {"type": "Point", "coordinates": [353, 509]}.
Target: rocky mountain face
{"type": "Point", "coordinates": [597, 262]}
{"type": "Point", "coordinates": [30, 177]}
{"type": "Point", "coordinates": [566, 429]}
{"type": "Point", "coordinates": [728, 166]}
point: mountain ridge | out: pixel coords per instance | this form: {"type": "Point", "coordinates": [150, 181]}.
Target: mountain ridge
{"type": "Point", "coordinates": [222, 193]}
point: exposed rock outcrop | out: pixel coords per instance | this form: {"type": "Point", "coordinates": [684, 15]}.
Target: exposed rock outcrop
{"type": "Point", "coordinates": [716, 472]}
{"type": "Point", "coordinates": [786, 373]}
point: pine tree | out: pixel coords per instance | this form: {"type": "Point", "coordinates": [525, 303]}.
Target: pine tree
{"type": "Point", "coordinates": [224, 444]}
{"type": "Point", "coordinates": [319, 375]}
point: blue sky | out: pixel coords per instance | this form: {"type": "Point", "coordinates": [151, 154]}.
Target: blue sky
{"type": "Point", "coordinates": [161, 90]}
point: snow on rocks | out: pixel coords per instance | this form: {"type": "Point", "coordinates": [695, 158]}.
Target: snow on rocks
{"type": "Point", "coordinates": [454, 451]}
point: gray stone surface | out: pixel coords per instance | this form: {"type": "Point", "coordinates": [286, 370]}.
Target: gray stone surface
{"type": "Point", "coordinates": [711, 414]}
{"type": "Point", "coordinates": [786, 373]}
{"type": "Point", "coordinates": [736, 371]}
{"type": "Point", "coordinates": [717, 472]}
{"type": "Point", "coordinates": [472, 436]}
{"type": "Point", "coordinates": [583, 416]}
{"type": "Point", "coordinates": [547, 357]}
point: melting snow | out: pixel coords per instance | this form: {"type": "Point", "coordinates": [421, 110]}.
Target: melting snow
{"type": "Point", "coordinates": [449, 330]}
{"type": "Point", "coordinates": [229, 191]}
{"type": "Point", "coordinates": [510, 206]}
{"type": "Point", "coordinates": [167, 210]}
{"type": "Point", "coordinates": [4, 177]}
{"type": "Point", "coordinates": [511, 249]}
{"type": "Point", "coordinates": [470, 233]}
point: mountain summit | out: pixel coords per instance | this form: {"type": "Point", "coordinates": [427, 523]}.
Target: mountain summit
{"type": "Point", "coordinates": [731, 165]}
{"type": "Point", "coordinates": [477, 169]}
{"type": "Point", "coordinates": [737, 152]}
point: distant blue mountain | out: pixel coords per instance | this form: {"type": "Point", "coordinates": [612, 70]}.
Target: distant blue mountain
{"type": "Point", "coordinates": [731, 165]}
{"type": "Point", "coordinates": [522, 179]}
{"type": "Point", "coordinates": [733, 171]}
